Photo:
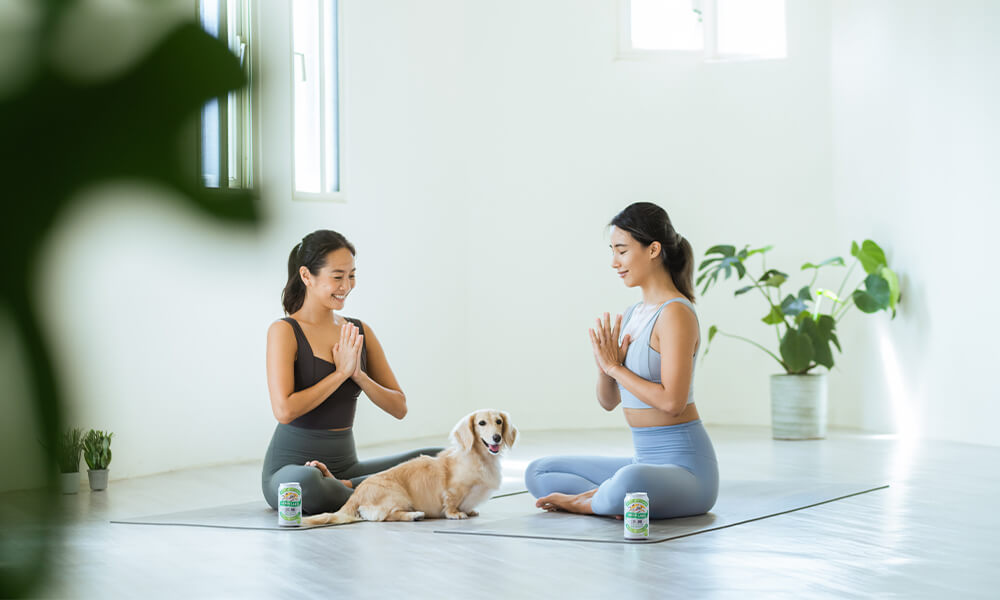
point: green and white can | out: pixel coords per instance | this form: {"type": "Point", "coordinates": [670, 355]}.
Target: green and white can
{"type": "Point", "coordinates": [290, 504]}
{"type": "Point", "coordinates": [636, 516]}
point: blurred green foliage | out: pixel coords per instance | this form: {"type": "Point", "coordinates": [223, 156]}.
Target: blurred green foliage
{"type": "Point", "coordinates": [58, 135]}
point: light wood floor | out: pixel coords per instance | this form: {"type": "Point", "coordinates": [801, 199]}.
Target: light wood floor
{"type": "Point", "coordinates": [932, 534]}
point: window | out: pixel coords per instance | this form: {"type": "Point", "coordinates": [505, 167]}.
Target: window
{"type": "Point", "coordinates": [316, 98]}
{"type": "Point", "coordinates": [224, 146]}
{"type": "Point", "coordinates": [715, 29]}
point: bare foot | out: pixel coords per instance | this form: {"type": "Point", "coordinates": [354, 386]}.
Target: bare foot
{"type": "Point", "coordinates": [326, 472]}
{"type": "Point", "coordinates": [322, 468]}
{"type": "Point", "coordinates": [575, 503]}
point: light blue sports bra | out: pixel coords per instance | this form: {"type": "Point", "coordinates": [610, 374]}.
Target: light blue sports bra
{"type": "Point", "coordinates": [644, 361]}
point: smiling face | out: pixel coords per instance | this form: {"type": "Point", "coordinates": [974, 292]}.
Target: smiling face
{"type": "Point", "coordinates": [334, 281]}
{"type": "Point", "coordinates": [631, 260]}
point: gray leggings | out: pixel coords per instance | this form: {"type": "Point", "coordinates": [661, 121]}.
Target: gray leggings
{"type": "Point", "coordinates": [292, 446]}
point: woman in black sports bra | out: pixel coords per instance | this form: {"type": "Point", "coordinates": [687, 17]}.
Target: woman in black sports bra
{"type": "Point", "coordinates": [318, 363]}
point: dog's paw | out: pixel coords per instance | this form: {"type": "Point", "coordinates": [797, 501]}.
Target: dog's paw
{"type": "Point", "coordinates": [457, 515]}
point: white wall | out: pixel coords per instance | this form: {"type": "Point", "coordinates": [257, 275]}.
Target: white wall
{"type": "Point", "coordinates": [488, 144]}
{"type": "Point", "coordinates": [915, 131]}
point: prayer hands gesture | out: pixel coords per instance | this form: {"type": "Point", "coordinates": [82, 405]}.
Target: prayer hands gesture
{"type": "Point", "coordinates": [347, 352]}
{"type": "Point", "coordinates": [607, 353]}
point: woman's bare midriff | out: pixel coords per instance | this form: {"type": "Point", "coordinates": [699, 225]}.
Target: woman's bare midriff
{"type": "Point", "coordinates": [651, 417]}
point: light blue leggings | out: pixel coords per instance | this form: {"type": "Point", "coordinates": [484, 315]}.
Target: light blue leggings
{"type": "Point", "coordinates": [675, 465]}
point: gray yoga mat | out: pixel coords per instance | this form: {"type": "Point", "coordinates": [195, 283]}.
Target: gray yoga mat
{"type": "Point", "coordinates": [249, 515]}
{"type": "Point", "coordinates": [739, 502]}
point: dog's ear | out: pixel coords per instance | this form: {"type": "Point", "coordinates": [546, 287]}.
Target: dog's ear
{"type": "Point", "coordinates": [464, 433]}
{"type": "Point", "coordinates": [509, 431]}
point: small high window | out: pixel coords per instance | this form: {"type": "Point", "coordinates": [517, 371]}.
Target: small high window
{"type": "Point", "coordinates": [316, 101]}
{"type": "Point", "coordinates": [714, 29]}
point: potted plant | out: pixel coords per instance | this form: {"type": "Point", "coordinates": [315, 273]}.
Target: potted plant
{"type": "Point", "coordinates": [805, 325]}
{"type": "Point", "coordinates": [68, 456]}
{"type": "Point", "coordinates": [97, 453]}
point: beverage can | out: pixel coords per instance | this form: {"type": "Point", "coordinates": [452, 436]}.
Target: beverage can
{"type": "Point", "coordinates": [636, 516]}
{"type": "Point", "coordinates": [290, 504]}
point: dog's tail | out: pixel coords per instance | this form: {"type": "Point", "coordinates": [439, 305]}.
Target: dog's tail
{"type": "Point", "coordinates": [348, 513]}
{"type": "Point", "coordinates": [340, 517]}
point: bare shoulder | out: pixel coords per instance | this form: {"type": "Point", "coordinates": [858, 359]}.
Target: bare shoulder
{"type": "Point", "coordinates": [281, 336]}
{"type": "Point", "coordinates": [677, 322]}
{"type": "Point", "coordinates": [280, 328]}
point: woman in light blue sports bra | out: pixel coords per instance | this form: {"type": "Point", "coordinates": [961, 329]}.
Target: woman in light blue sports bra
{"type": "Point", "coordinates": [646, 363]}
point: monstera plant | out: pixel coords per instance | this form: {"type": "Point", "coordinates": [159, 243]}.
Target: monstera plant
{"type": "Point", "coordinates": [805, 322]}
{"type": "Point", "coordinates": [58, 135]}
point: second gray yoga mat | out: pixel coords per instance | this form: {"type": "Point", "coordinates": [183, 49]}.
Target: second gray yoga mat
{"type": "Point", "coordinates": [739, 502]}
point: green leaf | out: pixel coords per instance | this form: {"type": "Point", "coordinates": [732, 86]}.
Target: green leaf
{"type": "Point", "coordinates": [819, 334]}
{"type": "Point", "coordinates": [774, 317]}
{"type": "Point", "coordinates": [744, 290]}
{"type": "Point", "coordinates": [805, 295]}
{"type": "Point", "coordinates": [827, 294]}
{"type": "Point", "coordinates": [874, 297]}
{"type": "Point", "coordinates": [792, 306]}
{"type": "Point", "coordinates": [796, 350]}
{"type": "Point", "coordinates": [724, 250]}
{"type": "Point", "coordinates": [773, 278]}
{"type": "Point", "coordinates": [711, 334]}
{"type": "Point", "coordinates": [726, 262]}
{"type": "Point", "coordinates": [890, 277]}
{"type": "Point", "coordinates": [759, 251]}
{"type": "Point", "coordinates": [836, 260]}
{"type": "Point", "coordinates": [705, 263]}
{"type": "Point", "coordinates": [854, 249]}
{"type": "Point", "coordinates": [871, 256]}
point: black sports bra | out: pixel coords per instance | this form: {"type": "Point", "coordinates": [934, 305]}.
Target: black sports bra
{"type": "Point", "coordinates": [337, 411]}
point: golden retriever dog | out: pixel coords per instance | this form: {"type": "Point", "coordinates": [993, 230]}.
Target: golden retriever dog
{"type": "Point", "coordinates": [450, 484]}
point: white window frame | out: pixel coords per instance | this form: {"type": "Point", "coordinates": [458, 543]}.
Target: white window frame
{"type": "Point", "coordinates": [236, 107]}
{"type": "Point", "coordinates": [339, 194]}
{"type": "Point", "coordinates": [710, 52]}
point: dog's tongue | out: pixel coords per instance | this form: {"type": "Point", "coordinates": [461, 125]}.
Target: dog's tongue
{"type": "Point", "coordinates": [494, 447]}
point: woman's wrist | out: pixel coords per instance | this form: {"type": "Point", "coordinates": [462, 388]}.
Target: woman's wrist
{"type": "Point", "coordinates": [340, 376]}
{"type": "Point", "coordinates": [613, 370]}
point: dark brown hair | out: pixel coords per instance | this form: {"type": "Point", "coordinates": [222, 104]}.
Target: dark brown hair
{"type": "Point", "coordinates": [649, 223]}
{"type": "Point", "coordinates": [310, 253]}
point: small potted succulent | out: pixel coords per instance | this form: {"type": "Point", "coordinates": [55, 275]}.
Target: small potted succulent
{"type": "Point", "coordinates": [97, 453]}
{"type": "Point", "coordinates": [68, 455]}
{"type": "Point", "coordinates": [805, 325]}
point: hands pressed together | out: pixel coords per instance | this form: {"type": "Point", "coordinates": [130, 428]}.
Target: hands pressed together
{"type": "Point", "coordinates": [604, 340]}
{"type": "Point", "coordinates": [347, 352]}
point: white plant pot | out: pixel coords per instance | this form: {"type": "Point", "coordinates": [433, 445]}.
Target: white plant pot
{"type": "Point", "coordinates": [69, 483]}
{"type": "Point", "coordinates": [798, 407]}
{"type": "Point", "coordinates": [98, 479]}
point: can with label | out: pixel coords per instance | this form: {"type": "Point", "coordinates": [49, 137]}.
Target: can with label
{"type": "Point", "coordinates": [290, 504]}
{"type": "Point", "coordinates": [636, 516]}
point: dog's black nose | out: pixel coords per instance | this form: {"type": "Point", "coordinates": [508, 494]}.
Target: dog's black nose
{"type": "Point", "coordinates": [496, 437]}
